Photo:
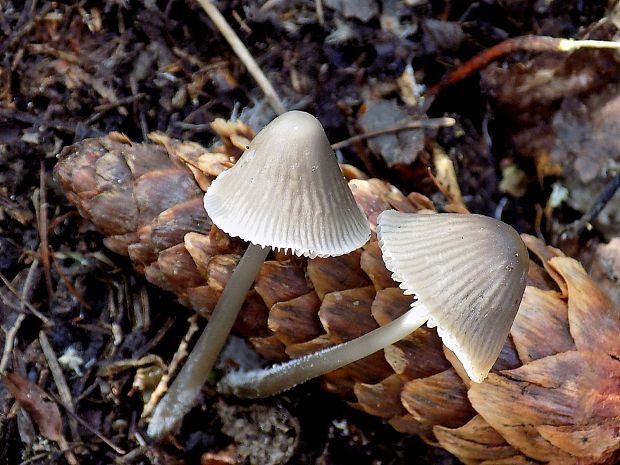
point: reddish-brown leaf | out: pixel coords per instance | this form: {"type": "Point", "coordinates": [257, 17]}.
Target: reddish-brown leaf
{"type": "Point", "coordinates": [43, 411]}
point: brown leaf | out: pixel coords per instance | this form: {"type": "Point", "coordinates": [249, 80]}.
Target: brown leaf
{"type": "Point", "coordinates": [401, 148]}
{"type": "Point", "coordinates": [420, 201]}
{"type": "Point", "coordinates": [214, 163]}
{"type": "Point", "coordinates": [35, 401]}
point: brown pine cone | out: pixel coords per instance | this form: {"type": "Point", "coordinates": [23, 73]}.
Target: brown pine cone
{"type": "Point", "coordinates": [553, 396]}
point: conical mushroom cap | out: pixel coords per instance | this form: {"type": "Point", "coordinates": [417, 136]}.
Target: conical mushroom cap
{"type": "Point", "coordinates": [468, 273]}
{"type": "Point", "coordinates": [287, 192]}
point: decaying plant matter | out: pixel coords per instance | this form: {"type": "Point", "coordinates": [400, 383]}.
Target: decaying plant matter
{"type": "Point", "coordinates": [553, 395]}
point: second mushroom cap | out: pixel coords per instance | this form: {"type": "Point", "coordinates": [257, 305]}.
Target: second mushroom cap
{"type": "Point", "coordinates": [468, 273]}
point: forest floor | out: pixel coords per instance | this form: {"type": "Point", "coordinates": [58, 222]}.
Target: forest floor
{"type": "Point", "coordinates": [535, 144]}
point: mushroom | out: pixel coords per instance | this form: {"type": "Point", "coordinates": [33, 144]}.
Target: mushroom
{"type": "Point", "coordinates": [286, 192]}
{"type": "Point", "coordinates": [468, 273]}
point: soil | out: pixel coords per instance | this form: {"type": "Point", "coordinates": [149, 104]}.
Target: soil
{"type": "Point", "coordinates": [534, 144]}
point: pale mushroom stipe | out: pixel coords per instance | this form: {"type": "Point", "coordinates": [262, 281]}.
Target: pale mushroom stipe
{"type": "Point", "coordinates": [286, 192]}
{"type": "Point", "coordinates": [468, 273]}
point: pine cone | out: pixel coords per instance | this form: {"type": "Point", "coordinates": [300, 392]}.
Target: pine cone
{"type": "Point", "coordinates": [553, 396]}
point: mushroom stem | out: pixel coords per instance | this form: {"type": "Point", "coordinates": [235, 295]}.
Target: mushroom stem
{"type": "Point", "coordinates": [187, 385]}
{"type": "Point", "coordinates": [278, 378]}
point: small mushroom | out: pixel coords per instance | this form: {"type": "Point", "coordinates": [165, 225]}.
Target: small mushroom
{"type": "Point", "coordinates": [468, 273]}
{"type": "Point", "coordinates": [286, 192]}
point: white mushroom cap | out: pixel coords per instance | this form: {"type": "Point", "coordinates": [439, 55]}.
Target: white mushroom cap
{"type": "Point", "coordinates": [468, 273]}
{"type": "Point", "coordinates": [287, 192]}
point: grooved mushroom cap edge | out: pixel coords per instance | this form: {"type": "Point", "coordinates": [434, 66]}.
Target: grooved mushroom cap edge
{"type": "Point", "coordinates": [468, 273]}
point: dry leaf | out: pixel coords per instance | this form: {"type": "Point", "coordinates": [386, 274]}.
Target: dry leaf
{"type": "Point", "coordinates": [43, 411]}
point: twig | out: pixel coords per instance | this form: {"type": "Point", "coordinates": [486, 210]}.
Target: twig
{"type": "Point", "coordinates": [23, 117]}
{"type": "Point", "coordinates": [27, 21]}
{"type": "Point", "coordinates": [59, 379]}
{"type": "Point", "coordinates": [100, 110]}
{"type": "Point", "coordinates": [15, 211]}
{"type": "Point", "coordinates": [585, 222]}
{"type": "Point", "coordinates": [9, 341]}
{"type": "Point", "coordinates": [527, 43]}
{"type": "Point", "coordinates": [132, 455]}
{"type": "Point", "coordinates": [36, 458]}
{"type": "Point", "coordinates": [26, 294]}
{"type": "Point", "coordinates": [320, 15]}
{"type": "Point", "coordinates": [446, 176]}
{"type": "Point", "coordinates": [178, 357]}
{"type": "Point", "coordinates": [27, 305]}
{"type": "Point", "coordinates": [42, 224]}
{"type": "Point", "coordinates": [161, 332]}
{"type": "Point", "coordinates": [70, 286]}
{"type": "Point", "coordinates": [92, 430]}
{"type": "Point", "coordinates": [432, 123]}
{"type": "Point", "coordinates": [244, 55]}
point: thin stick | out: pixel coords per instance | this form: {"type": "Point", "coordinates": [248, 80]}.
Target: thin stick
{"type": "Point", "coordinates": [73, 415]}
{"type": "Point", "coordinates": [178, 357]}
{"type": "Point", "coordinates": [70, 286]}
{"type": "Point", "coordinates": [59, 379]}
{"type": "Point", "coordinates": [244, 55]}
{"type": "Point", "coordinates": [527, 43]}
{"type": "Point", "coordinates": [318, 5]}
{"type": "Point", "coordinates": [43, 238]}
{"type": "Point", "coordinates": [33, 310]}
{"type": "Point", "coordinates": [9, 341]}
{"type": "Point", "coordinates": [601, 201]}
{"type": "Point", "coordinates": [26, 294]}
{"type": "Point", "coordinates": [432, 123]}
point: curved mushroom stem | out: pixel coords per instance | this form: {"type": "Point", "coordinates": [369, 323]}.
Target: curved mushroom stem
{"type": "Point", "coordinates": [187, 385]}
{"type": "Point", "coordinates": [278, 378]}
